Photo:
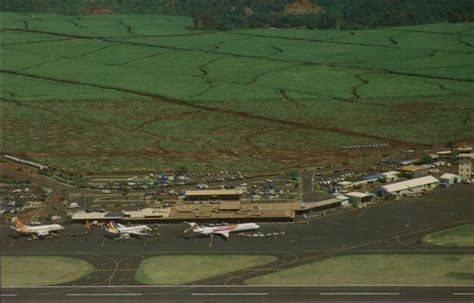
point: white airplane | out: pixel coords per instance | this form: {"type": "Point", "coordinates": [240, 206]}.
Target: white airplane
{"type": "Point", "coordinates": [223, 230]}
{"type": "Point", "coordinates": [37, 230]}
{"type": "Point", "coordinates": [119, 229]}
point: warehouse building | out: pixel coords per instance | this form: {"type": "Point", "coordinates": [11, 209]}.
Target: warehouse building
{"type": "Point", "coordinates": [391, 176]}
{"type": "Point", "coordinates": [408, 187]}
{"type": "Point", "coordinates": [358, 197]}
{"type": "Point", "coordinates": [413, 171]}
{"type": "Point", "coordinates": [450, 179]}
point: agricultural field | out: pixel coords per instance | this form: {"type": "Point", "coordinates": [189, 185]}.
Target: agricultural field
{"type": "Point", "coordinates": [122, 93]}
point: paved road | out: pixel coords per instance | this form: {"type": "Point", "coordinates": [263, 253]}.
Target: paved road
{"type": "Point", "coordinates": [389, 227]}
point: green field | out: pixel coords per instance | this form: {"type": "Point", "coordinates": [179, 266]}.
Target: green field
{"type": "Point", "coordinates": [173, 270]}
{"type": "Point", "coordinates": [95, 94]}
{"type": "Point", "coordinates": [377, 270]}
{"type": "Point", "coordinates": [41, 271]}
{"type": "Point", "coordinates": [461, 236]}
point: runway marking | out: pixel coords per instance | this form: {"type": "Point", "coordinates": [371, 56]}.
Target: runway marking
{"type": "Point", "coordinates": [103, 295]}
{"type": "Point", "coordinates": [146, 242]}
{"type": "Point", "coordinates": [360, 294]}
{"type": "Point", "coordinates": [11, 243]}
{"type": "Point", "coordinates": [463, 293]}
{"type": "Point", "coordinates": [103, 242]}
{"type": "Point", "coordinates": [230, 294]}
{"type": "Point", "coordinates": [9, 295]}
{"type": "Point", "coordinates": [224, 286]}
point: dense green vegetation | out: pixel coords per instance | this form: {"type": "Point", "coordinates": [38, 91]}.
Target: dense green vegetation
{"type": "Point", "coordinates": [232, 14]}
{"type": "Point", "coordinates": [140, 93]}
{"type": "Point", "coordinates": [326, 14]}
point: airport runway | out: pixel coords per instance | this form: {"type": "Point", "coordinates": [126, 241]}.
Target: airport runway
{"type": "Point", "coordinates": [203, 293]}
{"type": "Point", "coordinates": [389, 227]}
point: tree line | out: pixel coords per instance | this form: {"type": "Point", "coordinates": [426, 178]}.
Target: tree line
{"type": "Point", "coordinates": [236, 14]}
{"type": "Point", "coordinates": [334, 14]}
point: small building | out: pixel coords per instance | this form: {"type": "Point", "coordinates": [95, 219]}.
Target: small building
{"type": "Point", "coordinates": [408, 162]}
{"type": "Point", "coordinates": [444, 153]}
{"type": "Point", "coordinates": [373, 177]}
{"type": "Point", "coordinates": [465, 166]}
{"type": "Point", "coordinates": [413, 186]}
{"type": "Point", "coordinates": [344, 199]}
{"type": "Point", "coordinates": [465, 149]}
{"type": "Point", "coordinates": [434, 156]}
{"type": "Point", "coordinates": [391, 175]}
{"type": "Point", "coordinates": [321, 205]}
{"type": "Point", "coordinates": [413, 171]}
{"type": "Point", "coordinates": [358, 197]}
{"type": "Point", "coordinates": [345, 184]}
{"type": "Point", "coordinates": [450, 179]}
{"type": "Point", "coordinates": [213, 195]}
{"type": "Point", "coordinates": [363, 181]}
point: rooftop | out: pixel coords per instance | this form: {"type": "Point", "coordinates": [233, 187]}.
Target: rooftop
{"type": "Point", "coordinates": [357, 194]}
{"type": "Point", "coordinates": [391, 173]}
{"type": "Point", "coordinates": [94, 216]}
{"type": "Point", "coordinates": [148, 213]}
{"type": "Point", "coordinates": [467, 155]}
{"type": "Point", "coordinates": [448, 176]}
{"type": "Point", "coordinates": [412, 168]}
{"type": "Point", "coordinates": [410, 184]}
{"type": "Point", "coordinates": [234, 205]}
{"type": "Point", "coordinates": [213, 192]}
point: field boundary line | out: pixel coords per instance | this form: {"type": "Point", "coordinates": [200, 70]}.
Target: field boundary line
{"type": "Point", "coordinates": [246, 115]}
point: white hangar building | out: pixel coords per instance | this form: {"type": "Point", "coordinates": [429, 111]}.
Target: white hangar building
{"type": "Point", "coordinates": [412, 186]}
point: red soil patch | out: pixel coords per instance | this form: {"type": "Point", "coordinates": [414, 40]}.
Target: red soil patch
{"type": "Point", "coordinates": [302, 7]}
{"type": "Point", "coordinates": [97, 10]}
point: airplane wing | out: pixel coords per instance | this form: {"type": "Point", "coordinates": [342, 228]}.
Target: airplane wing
{"type": "Point", "coordinates": [136, 233]}
{"type": "Point", "coordinates": [121, 225]}
{"type": "Point", "coordinates": [223, 233]}
{"type": "Point", "coordinates": [42, 233]}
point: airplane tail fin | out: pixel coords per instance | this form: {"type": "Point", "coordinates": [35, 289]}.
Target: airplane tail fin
{"type": "Point", "coordinates": [111, 227]}
{"type": "Point", "coordinates": [19, 225]}
{"type": "Point", "coordinates": [194, 225]}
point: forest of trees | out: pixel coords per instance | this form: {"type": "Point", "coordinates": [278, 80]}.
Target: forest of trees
{"type": "Point", "coordinates": [343, 14]}
{"type": "Point", "coordinates": [234, 14]}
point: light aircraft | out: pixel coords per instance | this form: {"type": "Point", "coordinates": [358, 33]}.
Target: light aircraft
{"type": "Point", "coordinates": [119, 229]}
{"type": "Point", "coordinates": [37, 230]}
{"type": "Point", "coordinates": [223, 230]}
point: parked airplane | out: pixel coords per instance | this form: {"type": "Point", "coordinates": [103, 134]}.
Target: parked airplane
{"type": "Point", "coordinates": [37, 230]}
{"type": "Point", "coordinates": [119, 229]}
{"type": "Point", "coordinates": [223, 230]}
